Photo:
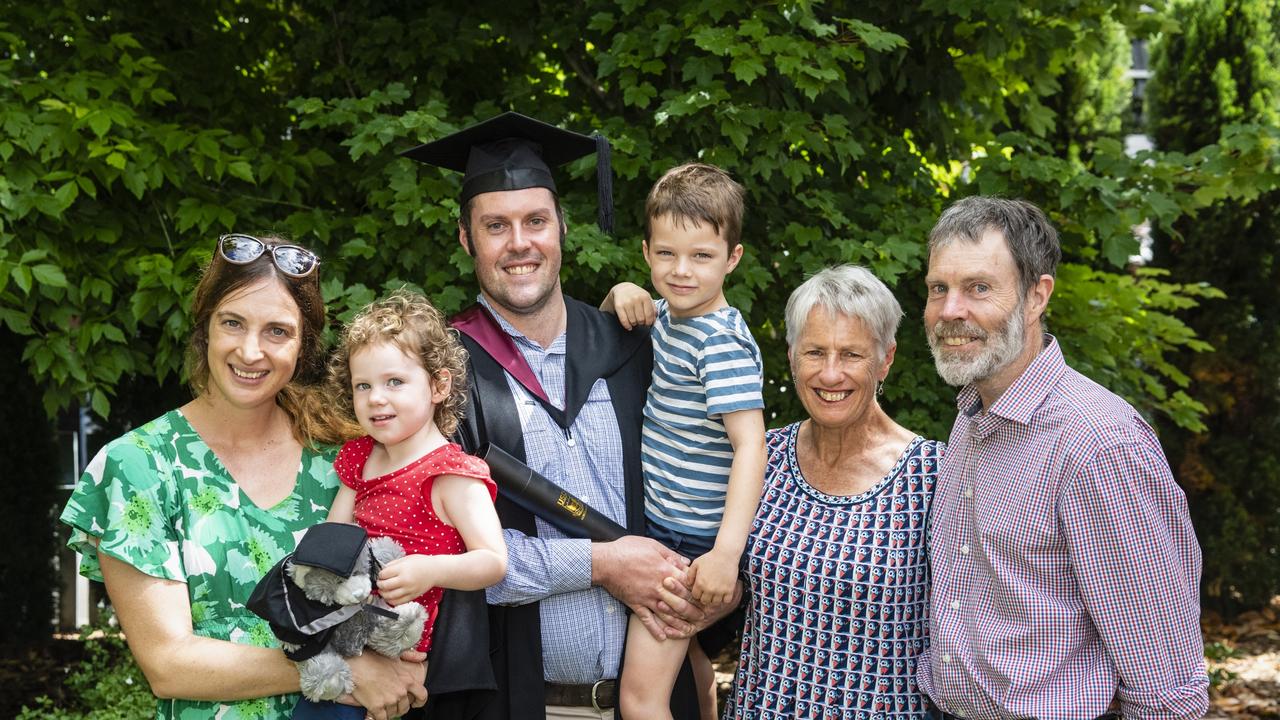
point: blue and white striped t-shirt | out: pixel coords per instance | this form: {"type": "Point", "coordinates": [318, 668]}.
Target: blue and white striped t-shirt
{"type": "Point", "coordinates": [703, 368]}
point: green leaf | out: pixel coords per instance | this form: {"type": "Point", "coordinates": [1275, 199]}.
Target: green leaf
{"type": "Point", "coordinates": [736, 133]}
{"type": "Point", "coordinates": [242, 170]}
{"type": "Point", "coordinates": [39, 352]}
{"type": "Point", "coordinates": [357, 248]}
{"type": "Point", "coordinates": [99, 122]}
{"type": "Point", "coordinates": [747, 68]}
{"type": "Point", "coordinates": [101, 405]}
{"type": "Point", "coordinates": [66, 194]}
{"type": "Point", "coordinates": [21, 277]}
{"type": "Point", "coordinates": [48, 274]}
{"type": "Point", "coordinates": [700, 69]}
{"type": "Point", "coordinates": [136, 182]}
{"type": "Point", "coordinates": [207, 146]}
{"type": "Point", "coordinates": [18, 322]}
{"type": "Point", "coordinates": [86, 184]}
{"type": "Point", "coordinates": [601, 22]}
{"type": "Point", "coordinates": [116, 160]}
{"type": "Point", "coordinates": [639, 95]}
{"type": "Point", "coordinates": [715, 40]}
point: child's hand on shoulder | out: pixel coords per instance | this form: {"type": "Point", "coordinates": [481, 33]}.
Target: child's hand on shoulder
{"type": "Point", "coordinates": [631, 303]}
{"type": "Point", "coordinates": [714, 577]}
{"type": "Point", "coordinates": [404, 579]}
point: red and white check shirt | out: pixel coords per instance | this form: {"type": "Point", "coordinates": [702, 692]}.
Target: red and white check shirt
{"type": "Point", "coordinates": [1064, 565]}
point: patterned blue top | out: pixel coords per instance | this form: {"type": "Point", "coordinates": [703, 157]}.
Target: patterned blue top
{"type": "Point", "coordinates": [704, 368]}
{"type": "Point", "coordinates": [838, 593]}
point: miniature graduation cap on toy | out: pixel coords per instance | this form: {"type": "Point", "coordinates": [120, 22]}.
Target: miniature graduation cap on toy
{"type": "Point", "coordinates": [516, 152]}
{"type": "Point", "coordinates": [306, 625]}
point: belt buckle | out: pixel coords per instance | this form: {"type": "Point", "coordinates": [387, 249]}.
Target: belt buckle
{"type": "Point", "coordinates": [595, 703]}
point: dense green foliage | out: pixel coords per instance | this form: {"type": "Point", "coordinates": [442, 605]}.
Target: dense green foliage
{"type": "Point", "coordinates": [1094, 100]}
{"type": "Point", "coordinates": [138, 135]}
{"type": "Point", "coordinates": [105, 685]}
{"type": "Point", "coordinates": [1224, 68]}
{"type": "Point", "coordinates": [134, 135]}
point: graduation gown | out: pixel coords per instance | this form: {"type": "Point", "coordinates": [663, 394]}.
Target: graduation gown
{"type": "Point", "coordinates": [506, 682]}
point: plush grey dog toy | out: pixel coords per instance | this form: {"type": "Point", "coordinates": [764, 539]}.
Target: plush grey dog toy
{"type": "Point", "coordinates": [319, 604]}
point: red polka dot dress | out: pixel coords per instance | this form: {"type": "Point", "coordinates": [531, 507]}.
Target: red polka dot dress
{"type": "Point", "coordinates": [398, 505]}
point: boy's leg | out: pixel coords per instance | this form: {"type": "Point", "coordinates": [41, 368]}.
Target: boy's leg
{"type": "Point", "coordinates": [704, 680]}
{"type": "Point", "coordinates": [649, 673]}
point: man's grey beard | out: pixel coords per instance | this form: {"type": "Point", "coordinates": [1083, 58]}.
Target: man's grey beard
{"type": "Point", "coordinates": [998, 352]}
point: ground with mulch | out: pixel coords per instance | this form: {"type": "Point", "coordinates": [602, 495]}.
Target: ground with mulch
{"type": "Point", "coordinates": [1243, 661]}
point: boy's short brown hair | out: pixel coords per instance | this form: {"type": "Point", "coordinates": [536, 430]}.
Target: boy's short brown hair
{"type": "Point", "coordinates": [697, 193]}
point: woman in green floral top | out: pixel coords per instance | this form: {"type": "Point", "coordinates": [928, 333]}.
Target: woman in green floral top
{"type": "Point", "coordinates": [182, 516]}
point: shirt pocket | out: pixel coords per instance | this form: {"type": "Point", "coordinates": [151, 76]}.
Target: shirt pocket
{"type": "Point", "coordinates": [1015, 514]}
{"type": "Point", "coordinates": [598, 418]}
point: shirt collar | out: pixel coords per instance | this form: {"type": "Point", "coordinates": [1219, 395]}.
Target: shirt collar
{"type": "Point", "coordinates": [557, 346]}
{"type": "Point", "coordinates": [1027, 393]}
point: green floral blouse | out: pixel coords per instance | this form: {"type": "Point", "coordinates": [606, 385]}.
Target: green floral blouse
{"type": "Point", "coordinates": [159, 499]}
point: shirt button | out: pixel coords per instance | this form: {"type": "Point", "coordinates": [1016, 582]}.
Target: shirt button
{"type": "Point", "coordinates": [964, 549]}
{"type": "Point", "coordinates": [608, 609]}
{"type": "Point", "coordinates": [955, 604]}
{"type": "Point", "coordinates": [570, 442]}
{"type": "Point", "coordinates": [968, 492]}
{"type": "Point", "coordinates": [946, 657]}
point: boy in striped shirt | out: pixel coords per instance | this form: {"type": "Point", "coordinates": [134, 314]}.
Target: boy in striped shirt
{"type": "Point", "coordinates": [703, 440]}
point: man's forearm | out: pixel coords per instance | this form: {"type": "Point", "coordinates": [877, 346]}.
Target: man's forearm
{"type": "Point", "coordinates": [541, 567]}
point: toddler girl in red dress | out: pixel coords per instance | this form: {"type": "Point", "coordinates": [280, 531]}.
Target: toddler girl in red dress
{"type": "Point", "coordinates": [406, 375]}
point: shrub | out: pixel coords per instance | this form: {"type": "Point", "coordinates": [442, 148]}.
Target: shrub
{"type": "Point", "coordinates": [105, 685]}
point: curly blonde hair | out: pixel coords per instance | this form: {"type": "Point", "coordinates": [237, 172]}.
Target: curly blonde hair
{"type": "Point", "coordinates": [413, 324]}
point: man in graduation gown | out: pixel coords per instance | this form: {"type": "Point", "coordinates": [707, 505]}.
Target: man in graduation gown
{"type": "Point", "coordinates": [561, 386]}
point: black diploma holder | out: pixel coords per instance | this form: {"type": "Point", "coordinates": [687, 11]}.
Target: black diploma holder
{"type": "Point", "coordinates": [520, 484]}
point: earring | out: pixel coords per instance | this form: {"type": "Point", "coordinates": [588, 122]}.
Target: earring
{"type": "Point", "coordinates": [880, 388]}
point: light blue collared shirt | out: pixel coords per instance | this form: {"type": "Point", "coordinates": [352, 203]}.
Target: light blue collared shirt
{"type": "Point", "coordinates": [583, 627]}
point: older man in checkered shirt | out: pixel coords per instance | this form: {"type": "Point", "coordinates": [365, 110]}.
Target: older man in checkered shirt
{"type": "Point", "coordinates": [1065, 569]}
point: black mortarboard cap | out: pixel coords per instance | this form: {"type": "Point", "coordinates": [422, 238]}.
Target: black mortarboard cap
{"type": "Point", "coordinates": [295, 619]}
{"type": "Point", "coordinates": [515, 152]}
{"type": "Point", "coordinates": [332, 546]}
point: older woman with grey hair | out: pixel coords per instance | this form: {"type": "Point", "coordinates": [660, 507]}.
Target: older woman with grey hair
{"type": "Point", "coordinates": [836, 556]}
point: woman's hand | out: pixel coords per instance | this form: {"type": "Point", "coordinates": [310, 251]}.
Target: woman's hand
{"type": "Point", "coordinates": [683, 616]}
{"type": "Point", "coordinates": [387, 687]}
{"type": "Point", "coordinates": [405, 578]}
{"type": "Point", "coordinates": [714, 577]}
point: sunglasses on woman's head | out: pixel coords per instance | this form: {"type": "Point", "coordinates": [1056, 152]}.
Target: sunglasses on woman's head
{"type": "Point", "coordinates": [291, 260]}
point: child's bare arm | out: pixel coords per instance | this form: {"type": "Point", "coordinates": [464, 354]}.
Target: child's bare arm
{"type": "Point", "coordinates": [631, 303]}
{"type": "Point", "coordinates": [343, 509]}
{"type": "Point", "coordinates": [465, 504]}
{"type": "Point", "coordinates": [716, 572]}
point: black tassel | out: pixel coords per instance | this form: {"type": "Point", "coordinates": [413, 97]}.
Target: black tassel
{"type": "Point", "coordinates": [604, 184]}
